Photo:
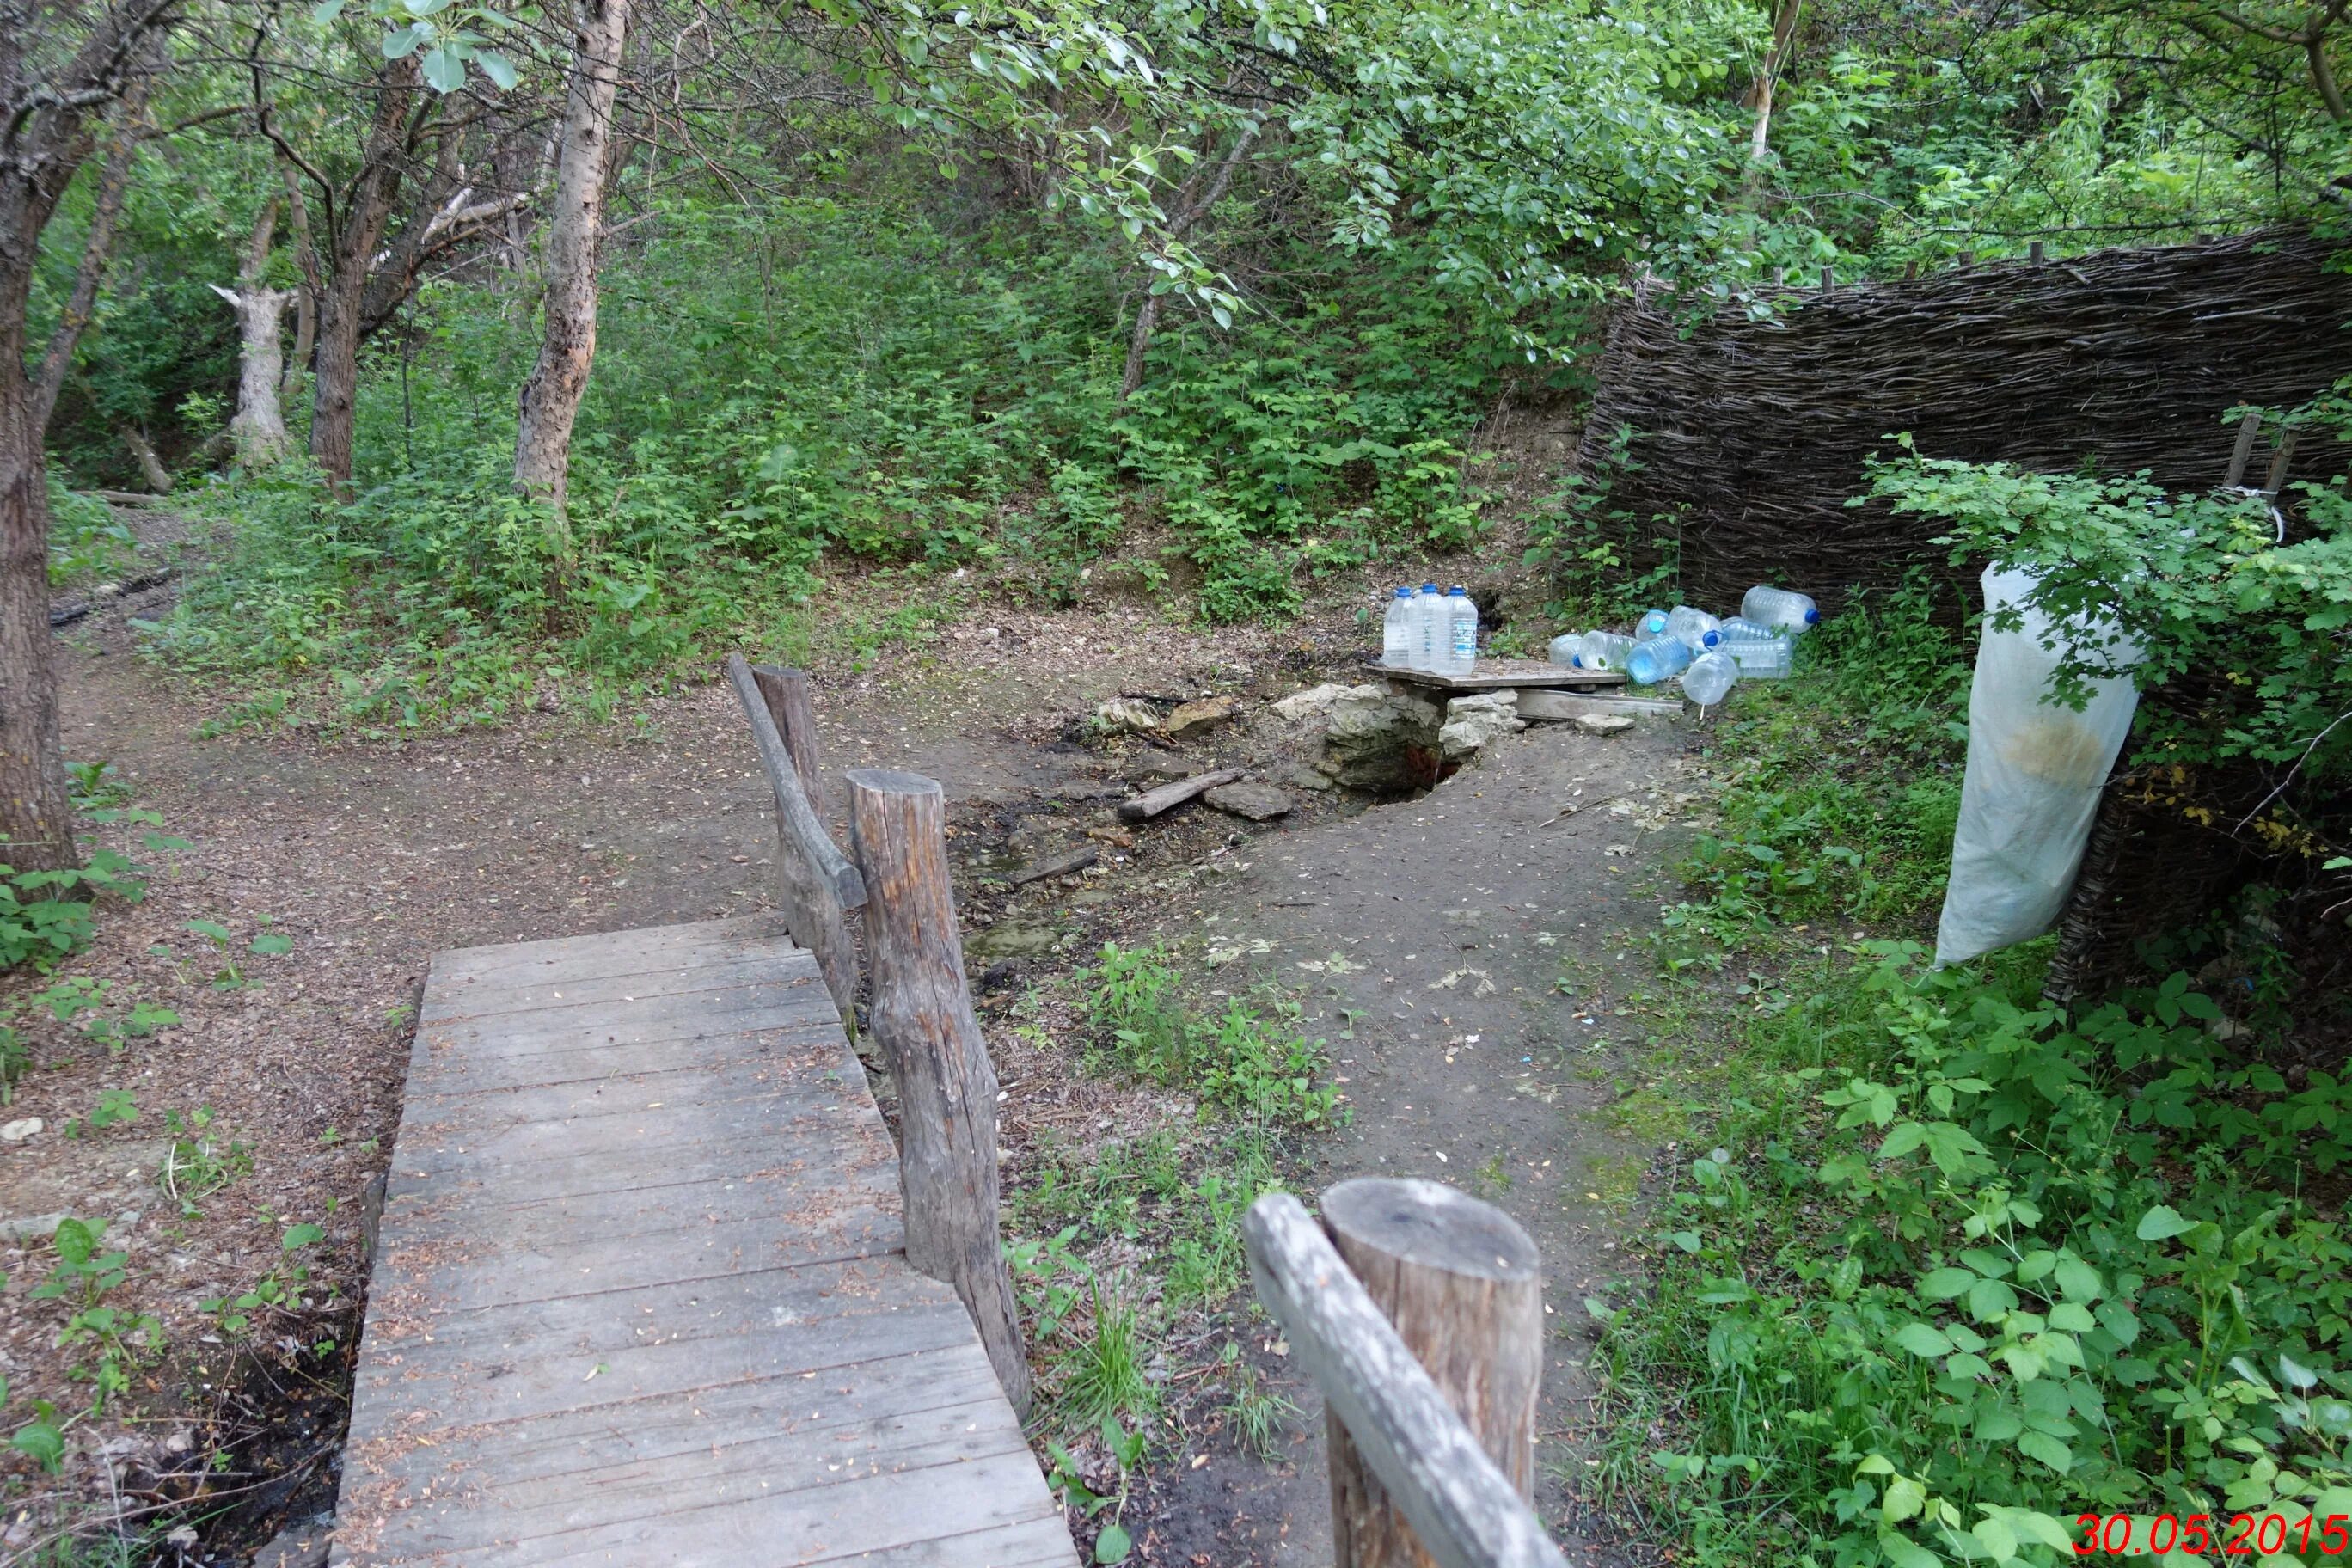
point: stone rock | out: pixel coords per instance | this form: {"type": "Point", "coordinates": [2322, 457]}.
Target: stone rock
{"type": "Point", "coordinates": [301, 1545]}
{"type": "Point", "coordinates": [1258, 802]}
{"type": "Point", "coordinates": [1603, 723]}
{"type": "Point", "coordinates": [1473, 720]}
{"type": "Point", "coordinates": [1372, 735]}
{"type": "Point", "coordinates": [1309, 778]}
{"type": "Point", "coordinates": [1315, 702]}
{"type": "Point", "coordinates": [1193, 718]}
{"type": "Point", "coordinates": [1125, 716]}
{"type": "Point", "coordinates": [17, 1132]}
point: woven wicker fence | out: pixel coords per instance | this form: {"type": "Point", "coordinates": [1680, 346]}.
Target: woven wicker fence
{"type": "Point", "coordinates": [1753, 433]}
{"type": "Point", "coordinates": [1749, 435]}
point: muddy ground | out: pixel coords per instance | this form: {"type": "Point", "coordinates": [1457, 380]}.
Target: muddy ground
{"type": "Point", "coordinates": [1456, 949]}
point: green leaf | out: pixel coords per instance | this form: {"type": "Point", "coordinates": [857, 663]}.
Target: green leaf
{"type": "Point", "coordinates": [1905, 1499]}
{"type": "Point", "coordinates": [300, 1235]}
{"type": "Point", "coordinates": [41, 1442]}
{"type": "Point", "coordinates": [1921, 1339]}
{"type": "Point", "coordinates": [1996, 1537]}
{"type": "Point", "coordinates": [444, 70]}
{"type": "Point", "coordinates": [327, 11]}
{"type": "Point", "coordinates": [2162, 1222]}
{"type": "Point", "coordinates": [2048, 1449]}
{"type": "Point", "coordinates": [498, 68]}
{"type": "Point", "coordinates": [1906, 1553]}
{"type": "Point", "coordinates": [2077, 1280]}
{"type": "Point", "coordinates": [2073, 1317]}
{"type": "Point", "coordinates": [1113, 1545]}
{"type": "Point", "coordinates": [398, 46]}
{"type": "Point", "coordinates": [1945, 1283]}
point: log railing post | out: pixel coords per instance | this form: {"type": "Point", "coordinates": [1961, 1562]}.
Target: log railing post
{"type": "Point", "coordinates": [816, 886]}
{"type": "Point", "coordinates": [1428, 1365]}
{"type": "Point", "coordinates": [921, 1010]}
{"type": "Point", "coordinates": [1463, 1285]}
{"type": "Point", "coordinates": [786, 694]}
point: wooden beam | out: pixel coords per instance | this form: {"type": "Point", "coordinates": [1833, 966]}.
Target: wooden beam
{"type": "Point", "coordinates": [921, 1014]}
{"type": "Point", "coordinates": [2240, 454]}
{"type": "Point", "coordinates": [817, 885]}
{"type": "Point", "coordinates": [1152, 801]}
{"type": "Point", "coordinates": [1464, 1511]}
{"type": "Point", "coordinates": [1569, 705]}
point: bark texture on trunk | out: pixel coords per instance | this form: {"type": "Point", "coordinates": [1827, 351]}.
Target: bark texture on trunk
{"type": "Point", "coordinates": [551, 398]}
{"type": "Point", "coordinates": [342, 302]}
{"type": "Point", "coordinates": [142, 452]}
{"type": "Point", "coordinates": [46, 138]}
{"type": "Point", "coordinates": [1759, 92]}
{"type": "Point", "coordinates": [306, 297]}
{"type": "Point", "coordinates": [259, 426]}
{"type": "Point", "coordinates": [98, 247]}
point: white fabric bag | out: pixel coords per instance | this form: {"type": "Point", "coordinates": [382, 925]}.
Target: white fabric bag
{"type": "Point", "coordinates": [2035, 770]}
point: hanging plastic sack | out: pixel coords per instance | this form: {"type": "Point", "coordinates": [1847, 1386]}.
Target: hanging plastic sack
{"type": "Point", "coordinates": [2035, 770]}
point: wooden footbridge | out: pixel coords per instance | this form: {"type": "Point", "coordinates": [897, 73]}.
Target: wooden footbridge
{"type": "Point", "coordinates": [652, 1283]}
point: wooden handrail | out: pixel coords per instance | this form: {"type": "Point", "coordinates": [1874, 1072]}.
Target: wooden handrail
{"type": "Point", "coordinates": [817, 885]}
{"type": "Point", "coordinates": [1463, 1511]}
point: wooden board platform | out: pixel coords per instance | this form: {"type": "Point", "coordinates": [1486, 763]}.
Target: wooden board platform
{"type": "Point", "coordinates": [639, 1296]}
{"type": "Point", "coordinates": [1504, 675]}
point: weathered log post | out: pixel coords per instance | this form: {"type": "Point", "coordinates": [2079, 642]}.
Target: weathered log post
{"type": "Point", "coordinates": [921, 1014]}
{"type": "Point", "coordinates": [1463, 1285]}
{"type": "Point", "coordinates": [816, 886]}
{"type": "Point", "coordinates": [786, 693]}
{"type": "Point", "coordinates": [1428, 1365]}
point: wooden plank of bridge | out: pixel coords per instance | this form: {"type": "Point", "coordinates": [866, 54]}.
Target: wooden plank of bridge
{"type": "Point", "coordinates": [641, 1295]}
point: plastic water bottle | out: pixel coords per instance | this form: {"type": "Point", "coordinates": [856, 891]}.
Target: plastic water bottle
{"type": "Point", "coordinates": [1662, 657]}
{"type": "Point", "coordinates": [1429, 628]}
{"type": "Point", "coordinates": [1653, 624]}
{"type": "Point", "coordinates": [1779, 607]}
{"type": "Point", "coordinates": [1739, 628]}
{"type": "Point", "coordinates": [1461, 632]}
{"type": "Point", "coordinates": [1396, 631]}
{"type": "Point", "coordinates": [1762, 658]}
{"type": "Point", "coordinates": [1565, 647]}
{"type": "Point", "coordinates": [1710, 678]}
{"type": "Point", "coordinates": [1695, 628]}
{"type": "Point", "coordinates": [1602, 650]}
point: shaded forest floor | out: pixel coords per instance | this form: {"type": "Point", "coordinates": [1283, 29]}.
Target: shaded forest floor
{"type": "Point", "coordinates": [1456, 951]}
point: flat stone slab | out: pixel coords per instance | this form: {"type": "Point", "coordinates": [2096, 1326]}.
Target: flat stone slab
{"type": "Point", "coordinates": [1258, 802]}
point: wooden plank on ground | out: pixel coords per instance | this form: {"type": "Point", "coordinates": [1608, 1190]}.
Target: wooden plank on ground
{"type": "Point", "coordinates": [640, 1294]}
{"type": "Point", "coordinates": [1152, 801]}
{"type": "Point", "coordinates": [1505, 674]}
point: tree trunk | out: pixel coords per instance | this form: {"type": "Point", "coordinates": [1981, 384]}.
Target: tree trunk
{"type": "Point", "coordinates": [142, 452]}
{"type": "Point", "coordinates": [551, 398]}
{"type": "Point", "coordinates": [113, 181]}
{"type": "Point", "coordinates": [259, 428]}
{"type": "Point", "coordinates": [48, 137]}
{"type": "Point", "coordinates": [306, 299]}
{"type": "Point", "coordinates": [1760, 92]}
{"type": "Point", "coordinates": [1188, 212]}
{"type": "Point", "coordinates": [343, 303]}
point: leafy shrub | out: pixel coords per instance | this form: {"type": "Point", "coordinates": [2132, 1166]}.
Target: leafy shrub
{"type": "Point", "coordinates": [1235, 1060]}
{"type": "Point", "coordinates": [1998, 1265]}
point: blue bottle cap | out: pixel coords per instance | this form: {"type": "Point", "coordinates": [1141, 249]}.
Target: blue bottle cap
{"type": "Point", "coordinates": [1429, 587]}
{"type": "Point", "coordinates": [1456, 592]}
{"type": "Point", "coordinates": [1813, 617]}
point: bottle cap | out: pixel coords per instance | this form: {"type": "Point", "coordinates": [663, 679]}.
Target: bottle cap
{"type": "Point", "coordinates": [1456, 592]}
{"type": "Point", "coordinates": [1813, 616]}
{"type": "Point", "coordinates": [1429, 587]}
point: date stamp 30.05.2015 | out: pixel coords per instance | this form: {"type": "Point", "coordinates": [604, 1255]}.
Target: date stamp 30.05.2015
{"type": "Point", "coordinates": [2252, 1535]}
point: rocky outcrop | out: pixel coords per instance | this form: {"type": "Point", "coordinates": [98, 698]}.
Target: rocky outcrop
{"type": "Point", "coordinates": [1382, 740]}
{"type": "Point", "coordinates": [1472, 721]}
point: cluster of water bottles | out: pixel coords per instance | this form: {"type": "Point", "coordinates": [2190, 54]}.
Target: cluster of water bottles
{"type": "Point", "coordinates": [1710, 655]}
{"type": "Point", "coordinates": [1430, 630]}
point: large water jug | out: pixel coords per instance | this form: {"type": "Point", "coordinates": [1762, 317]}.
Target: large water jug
{"type": "Point", "coordinates": [1695, 628]}
{"type": "Point", "coordinates": [1709, 678]}
{"type": "Point", "coordinates": [1762, 658]}
{"type": "Point", "coordinates": [1660, 659]}
{"type": "Point", "coordinates": [1462, 633]}
{"type": "Point", "coordinates": [1428, 614]}
{"type": "Point", "coordinates": [1396, 631]}
{"type": "Point", "coordinates": [1564, 647]}
{"type": "Point", "coordinates": [1739, 628]}
{"type": "Point", "coordinates": [1602, 650]}
{"type": "Point", "coordinates": [1779, 607]}
{"type": "Point", "coordinates": [1652, 623]}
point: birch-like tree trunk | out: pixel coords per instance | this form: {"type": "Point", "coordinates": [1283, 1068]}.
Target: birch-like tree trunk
{"type": "Point", "coordinates": [551, 398]}
{"type": "Point", "coordinates": [1188, 212]}
{"type": "Point", "coordinates": [259, 426]}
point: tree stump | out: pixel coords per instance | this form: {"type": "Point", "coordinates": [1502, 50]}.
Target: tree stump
{"type": "Point", "coordinates": [1463, 1284]}
{"type": "Point", "coordinates": [921, 1014]}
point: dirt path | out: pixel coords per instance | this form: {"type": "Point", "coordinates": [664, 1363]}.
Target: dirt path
{"type": "Point", "coordinates": [1450, 916]}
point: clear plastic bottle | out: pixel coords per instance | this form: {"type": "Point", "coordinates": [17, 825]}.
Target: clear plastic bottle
{"type": "Point", "coordinates": [1396, 631]}
{"type": "Point", "coordinates": [1602, 650]}
{"type": "Point", "coordinates": [1779, 607]}
{"type": "Point", "coordinates": [1461, 632]}
{"type": "Point", "coordinates": [1695, 628]}
{"type": "Point", "coordinates": [1762, 658]}
{"type": "Point", "coordinates": [1662, 657]}
{"type": "Point", "coordinates": [1739, 628]}
{"type": "Point", "coordinates": [1428, 627]}
{"type": "Point", "coordinates": [1652, 623]}
{"type": "Point", "coordinates": [1709, 678]}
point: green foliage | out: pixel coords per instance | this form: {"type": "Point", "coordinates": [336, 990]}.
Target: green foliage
{"type": "Point", "coordinates": [1994, 1264]}
{"type": "Point", "coordinates": [87, 540]}
{"type": "Point", "coordinates": [199, 1164]}
{"type": "Point", "coordinates": [1250, 1059]}
{"type": "Point", "coordinates": [41, 923]}
{"type": "Point", "coordinates": [1103, 1373]}
{"type": "Point", "coordinates": [2198, 583]}
{"type": "Point", "coordinates": [1256, 1415]}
